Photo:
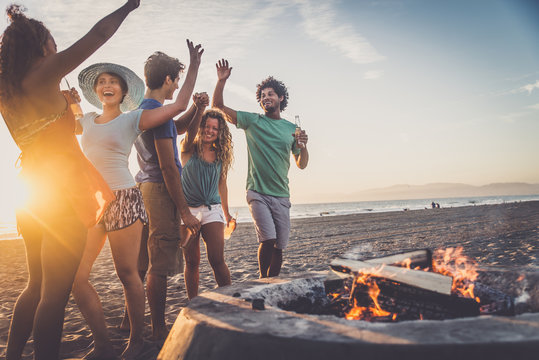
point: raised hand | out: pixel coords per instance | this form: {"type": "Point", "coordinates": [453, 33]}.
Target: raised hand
{"type": "Point", "coordinates": [223, 70]}
{"type": "Point", "coordinates": [201, 100]}
{"type": "Point", "coordinates": [195, 53]}
{"type": "Point", "coordinates": [133, 4]}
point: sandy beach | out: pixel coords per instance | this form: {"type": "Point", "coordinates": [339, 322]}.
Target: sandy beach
{"type": "Point", "coordinates": [504, 236]}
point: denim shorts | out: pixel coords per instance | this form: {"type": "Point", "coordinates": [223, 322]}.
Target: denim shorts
{"type": "Point", "coordinates": [271, 215]}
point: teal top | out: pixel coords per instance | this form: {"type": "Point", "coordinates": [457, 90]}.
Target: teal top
{"type": "Point", "coordinates": [269, 143]}
{"type": "Point", "coordinates": [200, 181]}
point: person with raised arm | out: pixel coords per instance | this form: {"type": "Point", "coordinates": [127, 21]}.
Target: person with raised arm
{"type": "Point", "coordinates": [159, 182]}
{"type": "Point", "coordinates": [270, 139]}
{"type": "Point", "coordinates": [206, 156]}
{"type": "Point", "coordinates": [107, 140]}
{"type": "Point", "coordinates": [67, 194]}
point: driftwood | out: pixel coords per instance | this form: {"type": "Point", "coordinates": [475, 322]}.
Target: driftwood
{"type": "Point", "coordinates": [411, 259]}
{"type": "Point", "coordinates": [420, 279]}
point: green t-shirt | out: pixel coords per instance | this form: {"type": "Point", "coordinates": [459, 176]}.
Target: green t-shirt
{"type": "Point", "coordinates": [269, 143]}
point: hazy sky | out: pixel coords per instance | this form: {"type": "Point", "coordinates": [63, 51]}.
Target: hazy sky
{"type": "Point", "coordinates": [390, 92]}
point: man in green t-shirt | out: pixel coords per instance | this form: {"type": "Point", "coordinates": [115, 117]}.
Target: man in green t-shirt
{"type": "Point", "coordinates": [270, 140]}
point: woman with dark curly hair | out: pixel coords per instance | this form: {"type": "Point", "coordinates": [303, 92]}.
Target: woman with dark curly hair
{"type": "Point", "coordinates": [67, 194]}
{"type": "Point", "coordinates": [206, 157]}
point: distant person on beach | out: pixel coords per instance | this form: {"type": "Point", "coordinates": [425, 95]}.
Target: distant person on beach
{"type": "Point", "coordinates": [206, 156]}
{"type": "Point", "coordinates": [270, 139]}
{"type": "Point", "coordinates": [159, 181]}
{"type": "Point", "coordinates": [107, 140]}
{"type": "Point", "coordinates": [67, 194]}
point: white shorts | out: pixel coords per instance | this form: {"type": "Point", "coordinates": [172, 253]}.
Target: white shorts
{"type": "Point", "coordinates": [206, 215]}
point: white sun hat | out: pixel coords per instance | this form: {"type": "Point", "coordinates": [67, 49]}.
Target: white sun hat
{"type": "Point", "coordinates": [135, 85]}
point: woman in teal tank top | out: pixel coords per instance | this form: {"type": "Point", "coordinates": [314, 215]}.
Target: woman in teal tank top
{"type": "Point", "coordinates": [206, 156]}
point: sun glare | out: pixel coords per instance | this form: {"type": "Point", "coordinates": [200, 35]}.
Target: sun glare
{"type": "Point", "coordinates": [14, 199]}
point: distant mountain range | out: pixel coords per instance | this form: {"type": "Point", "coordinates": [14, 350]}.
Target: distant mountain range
{"type": "Point", "coordinates": [444, 190]}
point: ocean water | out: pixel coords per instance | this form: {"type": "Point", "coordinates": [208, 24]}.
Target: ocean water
{"type": "Point", "coordinates": [8, 229]}
{"type": "Point", "coordinates": [299, 211]}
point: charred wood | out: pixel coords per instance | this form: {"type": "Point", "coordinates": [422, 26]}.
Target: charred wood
{"type": "Point", "coordinates": [412, 303]}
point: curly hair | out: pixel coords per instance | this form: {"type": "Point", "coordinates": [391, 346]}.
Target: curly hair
{"type": "Point", "coordinates": [158, 66]}
{"type": "Point", "coordinates": [21, 44]}
{"type": "Point", "coordinates": [223, 146]}
{"type": "Point", "coordinates": [279, 88]}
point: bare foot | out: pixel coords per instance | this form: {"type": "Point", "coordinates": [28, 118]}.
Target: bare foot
{"type": "Point", "coordinates": [133, 350]}
{"type": "Point", "coordinates": [160, 335]}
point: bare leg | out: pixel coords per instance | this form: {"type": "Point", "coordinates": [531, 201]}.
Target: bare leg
{"type": "Point", "coordinates": [191, 254]}
{"type": "Point", "coordinates": [142, 269]}
{"type": "Point", "coordinates": [276, 262]}
{"type": "Point", "coordinates": [212, 234]}
{"type": "Point", "coordinates": [87, 298]}
{"type": "Point", "coordinates": [265, 255]}
{"type": "Point", "coordinates": [156, 289]}
{"type": "Point", "coordinates": [62, 248]}
{"type": "Point", "coordinates": [25, 307]}
{"type": "Point", "coordinates": [125, 245]}
{"type": "Point", "coordinates": [124, 325]}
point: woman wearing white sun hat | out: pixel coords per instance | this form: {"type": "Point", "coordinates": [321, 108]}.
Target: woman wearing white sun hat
{"type": "Point", "coordinates": [107, 140]}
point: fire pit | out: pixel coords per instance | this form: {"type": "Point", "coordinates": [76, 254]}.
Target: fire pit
{"type": "Point", "coordinates": [245, 321]}
{"type": "Point", "coordinates": [413, 285]}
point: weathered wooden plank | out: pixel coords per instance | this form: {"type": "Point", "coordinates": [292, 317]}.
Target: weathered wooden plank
{"type": "Point", "coordinates": [421, 279]}
{"type": "Point", "coordinates": [418, 258]}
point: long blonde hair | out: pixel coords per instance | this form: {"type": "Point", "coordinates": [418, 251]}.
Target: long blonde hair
{"type": "Point", "coordinates": [223, 145]}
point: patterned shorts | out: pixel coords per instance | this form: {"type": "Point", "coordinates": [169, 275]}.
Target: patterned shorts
{"type": "Point", "coordinates": [125, 210]}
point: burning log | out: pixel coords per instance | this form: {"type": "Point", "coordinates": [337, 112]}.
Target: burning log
{"type": "Point", "coordinates": [440, 286]}
{"type": "Point", "coordinates": [404, 302]}
{"type": "Point", "coordinates": [420, 279]}
{"type": "Point", "coordinates": [494, 302]}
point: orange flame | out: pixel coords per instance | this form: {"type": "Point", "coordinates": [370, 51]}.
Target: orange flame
{"type": "Point", "coordinates": [452, 262]}
{"type": "Point", "coordinates": [367, 312]}
{"type": "Point", "coordinates": [406, 263]}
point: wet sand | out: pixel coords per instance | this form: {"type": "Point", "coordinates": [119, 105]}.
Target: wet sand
{"type": "Point", "coordinates": [502, 236]}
